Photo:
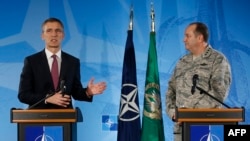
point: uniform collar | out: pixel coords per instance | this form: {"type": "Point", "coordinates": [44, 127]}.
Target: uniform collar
{"type": "Point", "coordinates": [207, 52]}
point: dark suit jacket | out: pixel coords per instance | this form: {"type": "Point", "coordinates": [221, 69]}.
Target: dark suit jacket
{"type": "Point", "coordinates": [36, 81]}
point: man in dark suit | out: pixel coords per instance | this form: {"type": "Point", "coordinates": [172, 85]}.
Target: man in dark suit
{"type": "Point", "coordinates": [37, 88]}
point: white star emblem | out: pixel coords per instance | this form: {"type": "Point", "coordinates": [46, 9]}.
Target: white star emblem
{"type": "Point", "coordinates": [128, 103]}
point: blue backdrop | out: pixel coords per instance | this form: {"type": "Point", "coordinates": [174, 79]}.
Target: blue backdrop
{"type": "Point", "coordinates": [96, 33]}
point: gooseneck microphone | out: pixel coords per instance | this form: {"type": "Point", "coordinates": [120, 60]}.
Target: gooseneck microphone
{"type": "Point", "coordinates": [42, 100]}
{"type": "Point", "coordinates": [202, 91]}
{"type": "Point", "coordinates": [194, 80]}
{"type": "Point", "coordinates": [62, 87]}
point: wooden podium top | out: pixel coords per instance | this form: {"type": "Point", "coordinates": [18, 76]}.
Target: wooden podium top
{"type": "Point", "coordinates": [43, 115]}
{"type": "Point", "coordinates": [210, 115]}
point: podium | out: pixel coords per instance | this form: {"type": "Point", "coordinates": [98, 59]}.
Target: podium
{"type": "Point", "coordinates": [215, 116]}
{"type": "Point", "coordinates": [60, 121]}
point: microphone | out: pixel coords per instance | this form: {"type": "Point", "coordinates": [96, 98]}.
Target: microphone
{"type": "Point", "coordinates": [62, 87]}
{"type": "Point", "coordinates": [195, 78]}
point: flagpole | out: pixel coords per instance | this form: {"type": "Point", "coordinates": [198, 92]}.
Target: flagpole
{"type": "Point", "coordinates": [131, 16]}
{"type": "Point", "coordinates": [152, 122]}
{"type": "Point", "coordinates": [152, 15]}
{"type": "Point", "coordinates": [129, 125]}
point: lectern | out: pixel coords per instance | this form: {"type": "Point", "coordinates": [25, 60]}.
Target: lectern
{"type": "Point", "coordinates": [219, 116]}
{"type": "Point", "coordinates": [35, 123]}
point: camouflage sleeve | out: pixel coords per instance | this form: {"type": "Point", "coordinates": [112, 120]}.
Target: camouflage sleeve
{"type": "Point", "coordinates": [221, 78]}
{"type": "Point", "coordinates": [171, 97]}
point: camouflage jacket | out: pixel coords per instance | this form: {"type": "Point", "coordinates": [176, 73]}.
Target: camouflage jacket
{"type": "Point", "coordinates": [214, 76]}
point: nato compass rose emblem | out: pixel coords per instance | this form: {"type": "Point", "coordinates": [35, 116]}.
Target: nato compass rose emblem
{"type": "Point", "coordinates": [210, 137]}
{"type": "Point", "coordinates": [109, 123]}
{"type": "Point", "coordinates": [129, 109]}
{"type": "Point", "coordinates": [44, 137]}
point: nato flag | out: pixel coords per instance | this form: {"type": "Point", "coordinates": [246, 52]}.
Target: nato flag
{"type": "Point", "coordinates": [129, 126]}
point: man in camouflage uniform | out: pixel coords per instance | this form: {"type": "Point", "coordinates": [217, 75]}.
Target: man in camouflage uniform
{"type": "Point", "coordinates": [212, 68]}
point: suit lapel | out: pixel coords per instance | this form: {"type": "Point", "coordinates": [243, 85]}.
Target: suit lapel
{"type": "Point", "coordinates": [63, 69]}
{"type": "Point", "coordinates": [45, 66]}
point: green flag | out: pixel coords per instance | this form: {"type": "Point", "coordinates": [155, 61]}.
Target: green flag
{"type": "Point", "coordinates": [152, 122]}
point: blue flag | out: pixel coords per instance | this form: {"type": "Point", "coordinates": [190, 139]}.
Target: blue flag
{"type": "Point", "coordinates": [129, 126]}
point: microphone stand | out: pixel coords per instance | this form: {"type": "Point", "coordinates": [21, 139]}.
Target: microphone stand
{"type": "Point", "coordinates": [62, 88]}
{"type": "Point", "coordinates": [47, 96]}
{"type": "Point", "coordinates": [203, 91]}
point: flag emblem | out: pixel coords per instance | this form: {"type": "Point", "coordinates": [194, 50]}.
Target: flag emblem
{"type": "Point", "coordinates": [128, 104]}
